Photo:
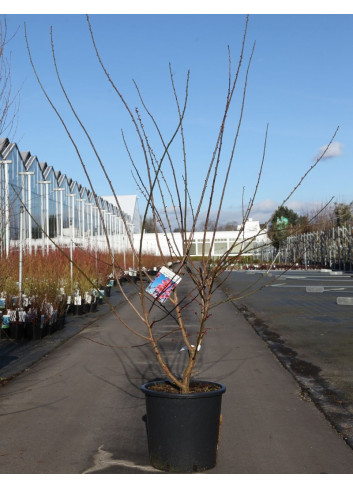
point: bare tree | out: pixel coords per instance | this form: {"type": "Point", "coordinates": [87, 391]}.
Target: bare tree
{"type": "Point", "coordinates": [165, 185]}
{"type": "Point", "coordinates": [9, 102]}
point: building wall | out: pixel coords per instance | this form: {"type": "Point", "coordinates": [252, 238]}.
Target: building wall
{"type": "Point", "coordinates": [249, 239]}
{"type": "Point", "coordinates": [34, 197]}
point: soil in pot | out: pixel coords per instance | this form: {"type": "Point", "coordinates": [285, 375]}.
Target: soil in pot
{"type": "Point", "coordinates": [183, 429]}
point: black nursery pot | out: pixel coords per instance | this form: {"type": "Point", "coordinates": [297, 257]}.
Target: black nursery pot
{"type": "Point", "coordinates": [16, 331]}
{"type": "Point", "coordinates": [78, 310]}
{"type": "Point", "coordinates": [183, 429]}
{"type": "Point", "coordinates": [4, 332]}
{"type": "Point", "coordinates": [28, 333]}
{"type": "Point", "coordinates": [61, 321]}
{"type": "Point", "coordinates": [36, 330]}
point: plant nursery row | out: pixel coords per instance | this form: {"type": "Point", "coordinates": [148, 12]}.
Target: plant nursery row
{"type": "Point", "coordinates": [52, 288]}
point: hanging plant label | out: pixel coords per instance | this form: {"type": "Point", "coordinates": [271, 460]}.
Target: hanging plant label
{"type": "Point", "coordinates": [21, 316]}
{"type": "Point", "coordinates": [6, 321]}
{"type": "Point", "coordinates": [12, 314]}
{"type": "Point", "coordinates": [163, 285]}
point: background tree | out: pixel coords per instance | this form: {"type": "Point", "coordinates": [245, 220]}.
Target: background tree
{"type": "Point", "coordinates": [9, 102]}
{"type": "Point", "coordinates": [211, 226]}
{"type": "Point", "coordinates": [149, 226]}
{"type": "Point", "coordinates": [303, 224]}
{"type": "Point", "coordinates": [343, 214]}
{"type": "Point", "coordinates": [282, 224]}
{"type": "Point", "coordinates": [228, 226]}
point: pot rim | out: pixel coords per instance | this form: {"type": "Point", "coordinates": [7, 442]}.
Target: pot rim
{"type": "Point", "coordinates": [178, 395]}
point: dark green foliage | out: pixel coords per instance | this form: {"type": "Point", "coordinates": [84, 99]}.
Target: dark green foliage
{"type": "Point", "coordinates": [282, 224]}
{"type": "Point", "coordinates": [343, 214]}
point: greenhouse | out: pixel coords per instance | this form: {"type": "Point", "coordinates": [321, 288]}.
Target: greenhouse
{"type": "Point", "coordinates": [39, 206]}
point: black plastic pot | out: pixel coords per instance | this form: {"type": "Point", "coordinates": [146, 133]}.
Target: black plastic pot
{"type": "Point", "coordinates": [61, 321]}
{"type": "Point", "coordinates": [36, 330]}
{"type": "Point", "coordinates": [78, 310]}
{"type": "Point", "coordinates": [183, 429]}
{"type": "Point", "coordinates": [16, 331]}
{"type": "Point", "coordinates": [51, 327]}
{"type": "Point", "coordinates": [28, 334]}
{"type": "Point", "coordinates": [4, 332]}
{"type": "Point", "coordinates": [43, 330]}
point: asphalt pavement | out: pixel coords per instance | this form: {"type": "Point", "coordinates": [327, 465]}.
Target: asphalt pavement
{"type": "Point", "coordinates": [77, 407]}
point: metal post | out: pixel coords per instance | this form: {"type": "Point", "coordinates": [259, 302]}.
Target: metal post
{"type": "Point", "coordinates": [72, 220]}
{"type": "Point", "coordinates": [104, 212]}
{"type": "Point", "coordinates": [94, 220]}
{"type": "Point", "coordinates": [132, 240]}
{"type": "Point", "coordinates": [7, 205]}
{"type": "Point", "coordinates": [81, 220]}
{"type": "Point", "coordinates": [20, 264]}
{"type": "Point", "coordinates": [59, 228]}
{"type": "Point", "coordinates": [90, 224]}
{"type": "Point", "coordinates": [71, 263]}
{"type": "Point", "coordinates": [45, 218]}
{"type": "Point", "coordinates": [27, 202]}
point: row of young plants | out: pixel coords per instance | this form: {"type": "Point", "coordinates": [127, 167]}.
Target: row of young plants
{"type": "Point", "coordinates": [52, 288]}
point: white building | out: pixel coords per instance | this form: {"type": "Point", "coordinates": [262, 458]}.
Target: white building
{"type": "Point", "coordinates": [250, 239]}
{"type": "Point", "coordinates": [39, 205]}
{"type": "Point", "coordinates": [129, 206]}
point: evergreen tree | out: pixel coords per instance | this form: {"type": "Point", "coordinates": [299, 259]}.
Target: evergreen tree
{"type": "Point", "coordinates": [282, 224]}
{"type": "Point", "coordinates": [343, 214]}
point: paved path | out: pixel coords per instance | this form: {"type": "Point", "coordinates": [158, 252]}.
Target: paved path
{"type": "Point", "coordinates": [80, 409]}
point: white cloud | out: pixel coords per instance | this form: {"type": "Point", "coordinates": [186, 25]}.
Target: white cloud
{"type": "Point", "coordinates": [335, 149]}
{"type": "Point", "coordinates": [267, 205]}
{"type": "Point", "coordinates": [263, 211]}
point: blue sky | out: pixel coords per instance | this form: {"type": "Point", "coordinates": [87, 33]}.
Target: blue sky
{"type": "Point", "coordinates": [300, 83]}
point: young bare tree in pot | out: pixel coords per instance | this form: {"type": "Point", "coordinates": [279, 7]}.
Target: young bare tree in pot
{"type": "Point", "coordinates": [183, 412]}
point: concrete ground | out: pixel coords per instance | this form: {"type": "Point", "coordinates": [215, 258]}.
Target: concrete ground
{"type": "Point", "coordinates": [306, 319]}
{"type": "Point", "coordinates": [80, 409]}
